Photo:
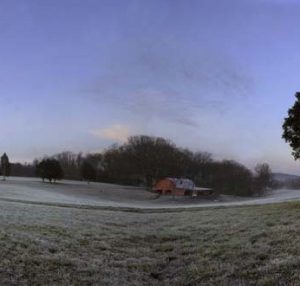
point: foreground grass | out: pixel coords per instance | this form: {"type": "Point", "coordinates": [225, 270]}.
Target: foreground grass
{"type": "Point", "coordinates": [46, 245]}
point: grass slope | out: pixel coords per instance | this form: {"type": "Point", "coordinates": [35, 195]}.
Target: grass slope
{"type": "Point", "coordinates": [48, 245]}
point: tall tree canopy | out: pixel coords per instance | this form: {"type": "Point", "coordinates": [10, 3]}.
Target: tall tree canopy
{"type": "Point", "coordinates": [291, 127]}
{"type": "Point", "coordinates": [154, 157]}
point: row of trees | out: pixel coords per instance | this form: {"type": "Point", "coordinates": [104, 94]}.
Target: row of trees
{"type": "Point", "coordinates": [144, 159]}
{"type": "Point", "coordinates": [51, 169]}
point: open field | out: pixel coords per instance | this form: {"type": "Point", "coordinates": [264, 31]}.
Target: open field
{"type": "Point", "coordinates": [74, 234]}
{"type": "Point", "coordinates": [48, 245]}
{"type": "Point", "coordinates": [100, 195]}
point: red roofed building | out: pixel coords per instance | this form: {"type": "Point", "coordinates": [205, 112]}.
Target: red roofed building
{"type": "Point", "coordinates": [174, 186]}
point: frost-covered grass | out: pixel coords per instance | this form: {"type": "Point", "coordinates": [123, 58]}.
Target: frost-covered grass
{"type": "Point", "coordinates": [99, 195]}
{"type": "Point", "coordinates": [48, 245]}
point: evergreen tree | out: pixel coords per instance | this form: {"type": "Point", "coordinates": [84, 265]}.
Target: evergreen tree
{"type": "Point", "coordinates": [5, 166]}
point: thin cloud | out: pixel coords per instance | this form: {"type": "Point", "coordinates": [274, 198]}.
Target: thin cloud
{"type": "Point", "coordinates": [116, 132]}
{"type": "Point", "coordinates": [157, 104]}
{"type": "Point", "coordinates": [157, 82]}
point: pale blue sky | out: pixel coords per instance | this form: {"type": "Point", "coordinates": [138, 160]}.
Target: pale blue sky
{"type": "Point", "coordinates": [216, 76]}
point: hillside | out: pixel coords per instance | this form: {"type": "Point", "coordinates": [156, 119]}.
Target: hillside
{"type": "Point", "coordinates": [284, 178]}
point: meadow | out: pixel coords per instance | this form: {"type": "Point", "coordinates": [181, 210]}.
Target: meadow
{"type": "Point", "coordinates": [55, 245]}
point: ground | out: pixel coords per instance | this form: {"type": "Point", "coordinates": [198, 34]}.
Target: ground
{"type": "Point", "coordinates": [99, 195]}
{"type": "Point", "coordinates": [48, 244]}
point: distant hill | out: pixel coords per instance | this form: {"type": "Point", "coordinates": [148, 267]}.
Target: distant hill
{"type": "Point", "coordinates": [285, 178]}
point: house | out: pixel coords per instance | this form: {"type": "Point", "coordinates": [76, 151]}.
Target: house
{"type": "Point", "coordinates": [174, 186]}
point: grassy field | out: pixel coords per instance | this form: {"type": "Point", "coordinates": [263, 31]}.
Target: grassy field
{"type": "Point", "coordinates": [47, 245]}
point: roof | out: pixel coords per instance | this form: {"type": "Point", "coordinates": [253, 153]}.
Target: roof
{"type": "Point", "coordinates": [183, 183]}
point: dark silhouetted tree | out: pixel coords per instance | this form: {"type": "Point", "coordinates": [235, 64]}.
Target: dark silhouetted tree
{"type": "Point", "coordinates": [291, 127]}
{"type": "Point", "coordinates": [49, 169]}
{"type": "Point", "coordinates": [231, 178]}
{"type": "Point", "coordinates": [153, 157]}
{"type": "Point", "coordinates": [70, 164]}
{"type": "Point", "coordinates": [5, 166]}
{"type": "Point", "coordinates": [87, 171]}
{"type": "Point", "coordinates": [96, 160]}
{"type": "Point", "coordinates": [263, 177]}
{"type": "Point", "coordinates": [22, 170]}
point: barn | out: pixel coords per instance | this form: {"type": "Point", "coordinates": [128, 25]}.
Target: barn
{"type": "Point", "coordinates": [174, 186]}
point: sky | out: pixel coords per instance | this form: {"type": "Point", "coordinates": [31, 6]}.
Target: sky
{"type": "Point", "coordinates": [210, 75]}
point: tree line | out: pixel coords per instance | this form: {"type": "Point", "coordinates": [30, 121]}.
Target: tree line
{"type": "Point", "coordinates": [144, 159]}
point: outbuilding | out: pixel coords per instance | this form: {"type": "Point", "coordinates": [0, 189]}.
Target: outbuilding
{"type": "Point", "coordinates": [174, 186]}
